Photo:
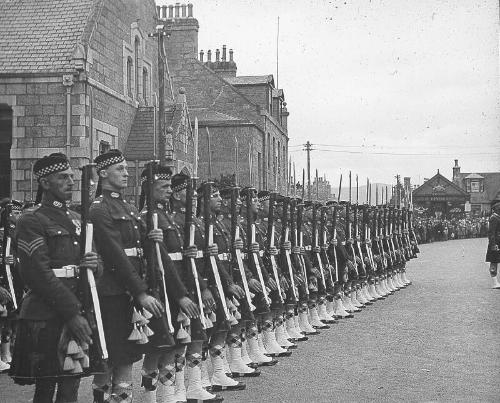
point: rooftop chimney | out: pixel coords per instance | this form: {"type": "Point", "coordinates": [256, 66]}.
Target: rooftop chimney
{"type": "Point", "coordinates": [209, 55]}
{"type": "Point", "coordinates": [223, 53]}
{"type": "Point", "coordinates": [177, 8]}
{"type": "Point", "coordinates": [230, 55]}
{"type": "Point", "coordinates": [201, 55]}
{"type": "Point", "coordinates": [217, 55]}
{"type": "Point", "coordinates": [456, 174]}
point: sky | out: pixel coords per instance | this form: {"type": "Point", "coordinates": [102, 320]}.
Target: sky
{"type": "Point", "coordinates": [380, 87]}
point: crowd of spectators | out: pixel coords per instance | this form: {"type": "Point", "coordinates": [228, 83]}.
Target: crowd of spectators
{"type": "Point", "coordinates": [435, 229]}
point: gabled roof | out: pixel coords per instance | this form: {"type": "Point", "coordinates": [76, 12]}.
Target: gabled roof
{"type": "Point", "coordinates": [251, 80]}
{"type": "Point", "coordinates": [40, 35]}
{"type": "Point", "coordinates": [440, 186]}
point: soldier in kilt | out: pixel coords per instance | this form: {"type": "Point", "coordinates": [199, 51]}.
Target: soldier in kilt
{"type": "Point", "coordinates": [493, 251]}
{"type": "Point", "coordinates": [53, 338]}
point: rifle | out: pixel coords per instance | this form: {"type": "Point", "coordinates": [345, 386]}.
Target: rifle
{"type": "Point", "coordinates": [189, 231]}
{"type": "Point", "coordinates": [209, 240]}
{"type": "Point", "coordinates": [162, 327]}
{"type": "Point", "coordinates": [235, 234]}
{"type": "Point", "coordinates": [285, 235]}
{"type": "Point", "coordinates": [270, 241]}
{"type": "Point", "coordinates": [315, 237]}
{"type": "Point", "coordinates": [6, 246]}
{"type": "Point", "coordinates": [324, 244]}
{"type": "Point", "coordinates": [357, 237]}
{"type": "Point", "coordinates": [90, 300]}
{"type": "Point", "coordinates": [251, 239]}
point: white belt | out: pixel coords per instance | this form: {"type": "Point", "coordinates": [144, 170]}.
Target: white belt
{"type": "Point", "coordinates": [69, 271]}
{"type": "Point", "coordinates": [133, 252]}
{"type": "Point", "coordinates": [261, 253]}
{"type": "Point", "coordinates": [224, 256]}
{"type": "Point", "coordinates": [199, 254]}
{"type": "Point", "coordinates": [308, 247]}
{"type": "Point", "coordinates": [176, 256]}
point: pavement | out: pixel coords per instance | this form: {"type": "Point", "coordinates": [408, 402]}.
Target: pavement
{"type": "Point", "coordinates": [435, 341]}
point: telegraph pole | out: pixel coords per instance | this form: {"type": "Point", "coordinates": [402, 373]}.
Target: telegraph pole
{"type": "Point", "coordinates": [308, 149]}
{"type": "Point", "coordinates": [161, 136]}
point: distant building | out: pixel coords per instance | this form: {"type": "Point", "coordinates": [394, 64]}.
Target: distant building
{"type": "Point", "coordinates": [440, 196]}
{"type": "Point", "coordinates": [481, 186]}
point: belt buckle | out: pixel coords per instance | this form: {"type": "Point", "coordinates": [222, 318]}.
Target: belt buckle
{"type": "Point", "coordinates": [70, 271]}
{"type": "Point", "coordinates": [139, 252]}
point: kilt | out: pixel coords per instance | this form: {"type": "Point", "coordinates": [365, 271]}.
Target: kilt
{"type": "Point", "coordinates": [492, 256]}
{"type": "Point", "coordinates": [116, 313]}
{"type": "Point", "coordinates": [37, 353]}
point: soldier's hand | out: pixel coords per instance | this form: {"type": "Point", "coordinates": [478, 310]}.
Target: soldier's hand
{"type": "Point", "coordinates": [254, 247]}
{"type": "Point", "coordinates": [151, 304]}
{"type": "Point", "coordinates": [284, 283]}
{"type": "Point", "coordinates": [254, 286]}
{"type": "Point", "coordinates": [299, 280]}
{"type": "Point", "coordinates": [4, 295]}
{"type": "Point", "coordinates": [494, 247]}
{"type": "Point", "coordinates": [296, 250]}
{"type": "Point", "coordinates": [212, 250]}
{"type": "Point", "coordinates": [315, 272]}
{"type": "Point", "coordinates": [302, 250]}
{"type": "Point", "coordinates": [189, 307]}
{"type": "Point", "coordinates": [89, 261]}
{"type": "Point", "coordinates": [208, 299]}
{"type": "Point", "coordinates": [287, 245]}
{"type": "Point", "coordinates": [236, 290]}
{"type": "Point", "coordinates": [80, 329]}
{"type": "Point", "coordinates": [9, 260]}
{"type": "Point", "coordinates": [273, 251]}
{"type": "Point", "coordinates": [238, 244]}
{"type": "Point", "coordinates": [272, 284]}
{"type": "Point", "coordinates": [156, 235]}
{"type": "Point", "coordinates": [316, 249]}
{"type": "Point", "coordinates": [191, 252]}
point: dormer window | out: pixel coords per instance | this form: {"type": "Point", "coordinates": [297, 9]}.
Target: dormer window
{"type": "Point", "coordinates": [474, 183]}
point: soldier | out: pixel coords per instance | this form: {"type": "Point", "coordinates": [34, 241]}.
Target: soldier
{"type": "Point", "coordinates": [48, 249]}
{"type": "Point", "coordinates": [183, 232]}
{"type": "Point", "coordinates": [493, 252]}
{"type": "Point", "coordinates": [120, 236]}
{"type": "Point", "coordinates": [159, 361]}
{"type": "Point", "coordinates": [9, 280]}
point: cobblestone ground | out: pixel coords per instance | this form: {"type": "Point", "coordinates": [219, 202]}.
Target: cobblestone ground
{"type": "Point", "coordinates": [434, 341]}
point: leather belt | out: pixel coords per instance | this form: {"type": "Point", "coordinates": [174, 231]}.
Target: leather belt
{"type": "Point", "coordinates": [224, 256]}
{"type": "Point", "coordinates": [133, 252]}
{"type": "Point", "coordinates": [175, 256]}
{"type": "Point", "coordinates": [69, 271]}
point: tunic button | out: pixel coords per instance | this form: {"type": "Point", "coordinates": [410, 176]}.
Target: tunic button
{"type": "Point", "coordinates": [132, 212]}
{"type": "Point", "coordinates": [75, 243]}
{"type": "Point", "coordinates": [123, 218]}
{"type": "Point", "coordinates": [135, 226]}
{"type": "Point", "coordinates": [59, 232]}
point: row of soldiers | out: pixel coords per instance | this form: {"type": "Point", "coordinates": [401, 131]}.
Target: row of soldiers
{"type": "Point", "coordinates": [199, 277]}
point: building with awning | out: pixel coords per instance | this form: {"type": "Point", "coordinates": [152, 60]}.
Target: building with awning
{"type": "Point", "coordinates": [440, 197]}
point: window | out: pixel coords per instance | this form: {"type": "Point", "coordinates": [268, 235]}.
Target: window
{"type": "Point", "coordinates": [104, 147]}
{"type": "Point", "coordinates": [129, 77]}
{"type": "Point", "coordinates": [137, 55]}
{"type": "Point", "coordinates": [145, 80]}
{"type": "Point", "coordinates": [259, 170]}
{"type": "Point", "coordinates": [274, 155]}
{"type": "Point", "coordinates": [474, 187]}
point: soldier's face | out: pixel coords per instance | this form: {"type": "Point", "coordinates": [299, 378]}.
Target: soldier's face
{"type": "Point", "coordinates": [254, 205]}
{"type": "Point", "coordinates": [162, 190]}
{"type": "Point", "coordinates": [59, 184]}
{"type": "Point", "coordinates": [264, 207]}
{"type": "Point", "coordinates": [215, 202]}
{"type": "Point", "coordinates": [116, 176]}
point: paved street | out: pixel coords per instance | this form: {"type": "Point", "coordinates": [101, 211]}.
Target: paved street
{"type": "Point", "coordinates": [436, 340]}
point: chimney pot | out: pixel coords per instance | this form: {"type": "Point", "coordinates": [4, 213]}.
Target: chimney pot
{"type": "Point", "coordinates": [230, 55]}
{"type": "Point", "coordinates": [223, 53]}
{"type": "Point", "coordinates": [163, 12]}
{"type": "Point", "coordinates": [190, 10]}
{"type": "Point", "coordinates": [183, 10]}
{"type": "Point", "coordinates": [456, 163]}
{"type": "Point", "coordinates": [217, 55]}
{"type": "Point", "coordinates": [209, 55]}
{"type": "Point", "coordinates": [171, 11]}
{"type": "Point", "coordinates": [201, 55]}
{"type": "Point", "coordinates": [158, 11]}
{"type": "Point", "coordinates": [177, 9]}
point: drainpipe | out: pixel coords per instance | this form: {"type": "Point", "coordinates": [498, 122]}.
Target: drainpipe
{"type": "Point", "coordinates": [68, 83]}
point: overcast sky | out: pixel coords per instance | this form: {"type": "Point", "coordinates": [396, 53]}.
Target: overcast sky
{"type": "Point", "coordinates": [366, 81]}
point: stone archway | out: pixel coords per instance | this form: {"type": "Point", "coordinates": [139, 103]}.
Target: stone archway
{"type": "Point", "coordinates": [6, 119]}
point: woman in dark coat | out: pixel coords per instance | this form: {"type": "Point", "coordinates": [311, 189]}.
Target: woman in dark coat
{"type": "Point", "coordinates": [493, 252]}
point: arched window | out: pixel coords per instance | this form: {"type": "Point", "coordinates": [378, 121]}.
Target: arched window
{"type": "Point", "coordinates": [130, 67]}
{"type": "Point", "coordinates": [145, 86]}
{"type": "Point", "coordinates": [137, 55]}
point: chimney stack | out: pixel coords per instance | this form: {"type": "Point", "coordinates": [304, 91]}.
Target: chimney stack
{"type": "Point", "coordinates": [456, 174]}
{"type": "Point", "coordinates": [217, 55]}
{"type": "Point", "coordinates": [171, 11]}
{"type": "Point", "coordinates": [201, 55]}
{"type": "Point", "coordinates": [223, 53]}
{"type": "Point", "coordinates": [183, 11]}
{"type": "Point", "coordinates": [190, 10]}
{"type": "Point", "coordinates": [230, 55]}
{"type": "Point", "coordinates": [209, 55]}
{"type": "Point", "coordinates": [177, 8]}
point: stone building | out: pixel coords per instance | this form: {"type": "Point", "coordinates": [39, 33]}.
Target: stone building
{"type": "Point", "coordinates": [81, 77]}
{"type": "Point", "coordinates": [481, 186]}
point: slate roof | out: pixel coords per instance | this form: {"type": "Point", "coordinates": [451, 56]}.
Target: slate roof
{"type": "Point", "coordinates": [250, 80]}
{"type": "Point", "coordinates": [491, 185]}
{"type": "Point", "coordinates": [474, 176]}
{"type": "Point", "coordinates": [438, 180]}
{"type": "Point", "coordinates": [40, 35]}
{"type": "Point", "coordinates": [211, 116]}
